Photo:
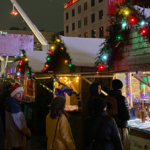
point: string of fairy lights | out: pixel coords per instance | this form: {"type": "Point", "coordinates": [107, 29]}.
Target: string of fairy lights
{"type": "Point", "coordinates": [57, 46]}
{"type": "Point", "coordinates": [125, 19]}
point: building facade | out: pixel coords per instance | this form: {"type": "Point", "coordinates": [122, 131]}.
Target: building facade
{"type": "Point", "coordinates": [85, 18]}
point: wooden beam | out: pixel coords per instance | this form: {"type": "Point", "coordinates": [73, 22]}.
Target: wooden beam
{"type": "Point", "coordinates": [99, 76]}
{"type": "Point", "coordinates": [91, 83]}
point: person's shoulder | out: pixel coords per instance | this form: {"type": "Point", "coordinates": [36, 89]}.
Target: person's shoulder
{"type": "Point", "coordinates": [63, 118]}
{"type": "Point", "coordinates": [12, 106]}
{"type": "Point", "coordinates": [108, 119]}
{"type": "Point", "coordinates": [48, 115]}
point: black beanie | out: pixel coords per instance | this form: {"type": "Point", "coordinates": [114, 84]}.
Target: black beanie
{"type": "Point", "coordinates": [94, 89]}
{"type": "Point", "coordinates": [57, 103]}
{"type": "Point", "coordinates": [117, 84]}
{"type": "Point", "coordinates": [99, 104]}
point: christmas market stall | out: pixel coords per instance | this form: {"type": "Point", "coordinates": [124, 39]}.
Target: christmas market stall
{"type": "Point", "coordinates": [128, 51]}
{"type": "Point", "coordinates": [71, 64]}
{"type": "Point", "coordinates": [28, 63]}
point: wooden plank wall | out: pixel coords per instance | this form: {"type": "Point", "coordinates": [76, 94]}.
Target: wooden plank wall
{"type": "Point", "coordinates": [133, 54]}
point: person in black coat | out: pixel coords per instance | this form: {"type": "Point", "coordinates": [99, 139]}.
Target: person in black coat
{"type": "Point", "coordinates": [95, 90]}
{"type": "Point", "coordinates": [123, 112]}
{"type": "Point", "coordinates": [6, 93]}
{"type": "Point", "coordinates": [102, 129]}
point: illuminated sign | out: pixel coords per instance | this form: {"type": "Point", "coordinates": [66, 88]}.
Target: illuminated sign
{"type": "Point", "coordinates": [1, 32]}
{"type": "Point", "coordinates": [69, 3]}
{"type": "Point", "coordinates": [111, 5]}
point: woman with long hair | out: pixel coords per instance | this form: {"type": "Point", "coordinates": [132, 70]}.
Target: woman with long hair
{"type": "Point", "coordinates": [58, 130]}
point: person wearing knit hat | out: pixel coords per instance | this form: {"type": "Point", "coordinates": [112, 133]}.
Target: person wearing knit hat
{"type": "Point", "coordinates": [100, 131]}
{"type": "Point", "coordinates": [16, 127]}
{"type": "Point", "coordinates": [58, 130]}
{"type": "Point", "coordinates": [95, 92]}
{"type": "Point", "coordinates": [119, 104]}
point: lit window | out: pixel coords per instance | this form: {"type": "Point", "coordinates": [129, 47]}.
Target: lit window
{"type": "Point", "coordinates": [85, 34]}
{"type": "Point", "coordinates": [101, 14]}
{"type": "Point", "coordinates": [101, 32]}
{"type": "Point", "coordinates": [93, 33]}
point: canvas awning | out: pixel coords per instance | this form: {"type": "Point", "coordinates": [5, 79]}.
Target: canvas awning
{"type": "Point", "coordinates": [36, 60]}
{"type": "Point", "coordinates": [82, 51]}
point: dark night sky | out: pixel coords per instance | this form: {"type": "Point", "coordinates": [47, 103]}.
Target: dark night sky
{"type": "Point", "coordinates": [45, 14]}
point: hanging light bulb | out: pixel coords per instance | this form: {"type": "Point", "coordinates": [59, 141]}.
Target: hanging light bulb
{"type": "Point", "coordinates": [126, 12]}
{"type": "Point", "coordinates": [26, 59]}
{"type": "Point", "coordinates": [21, 61]}
{"type": "Point", "coordinates": [142, 23]}
{"type": "Point", "coordinates": [70, 65]}
{"type": "Point", "coordinates": [101, 67]}
{"type": "Point", "coordinates": [46, 65]}
{"type": "Point", "coordinates": [48, 58]}
{"type": "Point", "coordinates": [132, 20]}
{"type": "Point", "coordinates": [77, 81]}
{"type": "Point", "coordinates": [58, 40]}
{"type": "Point", "coordinates": [78, 78]}
{"type": "Point", "coordinates": [52, 47]}
{"type": "Point", "coordinates": [104, 57]}
{"type": "Point", "coordinates": [144, 31]}
{"type": "Point", "coordinates": [19, 69]}
{"type": "Point", "coordinates": [69, 81]}
{"type": "Point", "coordinates": [66, 61]}
{"type": "Point", "coordinates": [124, 24]}
{"type": "Point", "coordinates": [18, 77]}
{"type": "Point", "coordinates": [66, 82]}
{"type": "Point", "coordinates": [18, 73]}
{"type": "Point", "coordinates": [50, 52]}
{"type": "Point", "coordinates": [62, 47]}
{"type": "Point", "coordinates": [44, 68]}
{"type": "Point", "coordinates": [60, 77]}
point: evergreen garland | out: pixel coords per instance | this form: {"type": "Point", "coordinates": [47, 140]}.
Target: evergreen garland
{"type": "Point", "coordinates": [23, 64]}
{"type": "Point", "coordinates": [121, 22]}
{"type": "Point", "coordinates": [57, 51]}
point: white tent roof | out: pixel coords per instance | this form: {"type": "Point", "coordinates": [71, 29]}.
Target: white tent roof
{"type": "Point", "coordinates": [82, 51]}
{"type": "Point", "coordinates": [146, 10]}
{"type": "Point", "coordinates": [36, 60]}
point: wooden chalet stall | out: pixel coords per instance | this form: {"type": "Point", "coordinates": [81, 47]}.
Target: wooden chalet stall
{"type": "Point", "coordinates": [78, 77]}
{"type": "Point", "coordinates": [21, 72]}
{"type": "Point", "coordinates": [130, 62]}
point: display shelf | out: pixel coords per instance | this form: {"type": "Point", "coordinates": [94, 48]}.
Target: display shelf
{"type": "Point", "coordinates": [138, 125]}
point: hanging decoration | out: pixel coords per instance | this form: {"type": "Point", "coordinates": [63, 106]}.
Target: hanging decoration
{"type": "Point", "coordinates": [62, 91]}
{"type": "Point", "coordinates": [23, 64]}
{"type": "Point", "coordinates": [56, 52]}
{"type": "Point", "coordinates": [125, 19]}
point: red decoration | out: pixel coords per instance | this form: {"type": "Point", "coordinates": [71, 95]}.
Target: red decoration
{"type": "Point", "coordinates": [21, 61]}
{"type": "Point", "coordinates": [144, 31]}
{"type": "Point", "coordinates": [44, 68]}
{"type": "Point", "coordinates": [133, 20]}
{"type": "Point", "coordinates": [50, 52]}
{"type": "Point", "coordinates": [101, 67]}
{"type": "Point", "coordinates": [19, 69]}
{"type": "Point", "coordinates": [18, 77]}
{"type": "Point", "coordinates": [13, 12]}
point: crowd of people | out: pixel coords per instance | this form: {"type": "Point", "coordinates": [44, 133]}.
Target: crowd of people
{"type": "Point", "coordinates": [105, 128]}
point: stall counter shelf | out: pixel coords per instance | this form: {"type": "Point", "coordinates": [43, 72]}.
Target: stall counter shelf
{"type": "Point", "coordinates": [139, 134]}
